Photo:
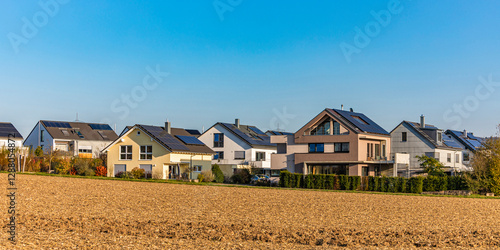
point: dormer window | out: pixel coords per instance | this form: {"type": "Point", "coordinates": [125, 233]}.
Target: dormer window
{"type": "Point", "coordinates": [440, 137]}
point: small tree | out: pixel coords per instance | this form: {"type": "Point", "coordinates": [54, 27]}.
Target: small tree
{"type": "Point", "coordinates": [218, 175]}
{"type": "Point", "coordinates": [431, 165]}
{"type": "Point", "coordinates": [38, 151]}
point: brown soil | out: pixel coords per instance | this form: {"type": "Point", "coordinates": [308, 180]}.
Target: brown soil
{"type": "Point", "coordinates": [63, 213]}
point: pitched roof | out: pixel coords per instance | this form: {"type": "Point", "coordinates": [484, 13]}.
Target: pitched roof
{"type": "Point", "coordinates": [79, 131]}
{"type": "Point", "coordinates": [358, 121]}
{"type": "Point", "coordinates": [448, 143]}
{"type": "Point", "coordinates": [6, 128]}
{"type": "Point", "coordinates": [179, 140]}
{"type": "Point", "coordinates": [249, 134]}
{"type": "Point", "coordinates": [468, 140]}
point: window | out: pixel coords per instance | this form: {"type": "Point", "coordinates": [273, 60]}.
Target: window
{"type": "Point", "coordinates": [79, 134]}
{"type": "Point", "coordinates": [146, 153]}
{"type": "Point", "coordinates": [448, 158]}
{"type": "Point", "coordinates": [322, 129]}
{"type": "Point", "coordinates": [281, 148]}
{"type": "Point", "coordinates": [138, 132]}
{"type": "Point", "coordinates": [466, 156]}
{"type": "Point", "coordinates": [239, 155]}
{"type": "Point", "coordinates": [377, 150]}
{"type": "Point", "coordinates": [440, 137]}
{"type": "Point", "coordinates": [41, 136]}
{"type": "Point", "coordinates": [84, 150]}
{"type": "Point", "coordinates": [404, 137]}
{"type": "Point", "coordinates": [219, 155]}
{"type": "Point", "coordinates": [197, 168]}
{"type": "Point", "coordinates": [125, 152]}
{"type": "Point", "coordinates": [219, 140]}
{"type": "Point", "coordinates": [65, 132]}
{"type": "Point", "coordinates": [336, 128]}
{"type": "Point", "coordinates": [316, 148]}
{"type": "Point", "coordinates": [457, 158]}
{"type": "Point", "coordinates": [260, 156]}
{"type": "Point", "coordinates": [341, 147]}
{"type": "Point", "coordinates": [383, 150]}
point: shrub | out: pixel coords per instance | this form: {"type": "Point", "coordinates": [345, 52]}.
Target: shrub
{"type": "Point", "coordinates": [82, 167]}
{"type": "Point", "coordinates": [125, 175]}
{"type": "Point", "coordinates": [415, 185]}
{"type": "Point", "coordinates": [319, 181]}
{"type": "Point", "coordinates": [383, 184]}
{"type": "Point", "coordinates": [330, 182]}
{"type": "Point", "coordinates": [309, 181]}
{"type": "Point", "coordinates": [138, 173]}
{"type": "Point", "coordinates": [298, 180]}
{"type": "Point", "coordinates": [201, 177]}
{"type": "Point", "coordinates": [344, 182]}
{"type": "Point", "coordinates": [61, 165]}
{"type": "Point", "coordinates": [355, 182]}
{"type": "Point", "coordinates": [241, 176]}
{"type": "Point", "coordinates": [218, 175]}
{"type": "Point", "coordinates": [457, 183]}
{"type": "Point", "coordinates": [365, 183]}
{"type": "Point", "coordinates": [101, 171]}
{"type": "Point", "coordinates": [208, 176]}
{"type": "Point", "coordinates": [391, 185]}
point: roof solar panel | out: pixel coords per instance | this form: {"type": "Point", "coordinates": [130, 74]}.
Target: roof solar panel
{"type": "Point", "coordinates": [57, 124]}
{"type": "Point", "coordinates": [189, 140]}
{"type": "Point", "coordinates": [256, 130]}
{"type": "Point", "coordinates": [370, 127]}
{"type": "Point", "coordinates": [100, 127]}
{"type": "Point", "coordinates": [450, 142]}
{"type": "Point", "coordinates": [7, 129]}
{"type": "Point", "coordinates": [166, 138]}
{"type": "Point", "coordinates": [249, 139]}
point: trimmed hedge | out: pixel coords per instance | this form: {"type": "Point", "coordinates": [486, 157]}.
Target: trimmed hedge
{"type": "Point", "coordinates": [372, 183]}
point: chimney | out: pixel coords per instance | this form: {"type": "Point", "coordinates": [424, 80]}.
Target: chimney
{"type": "Point", "coordinates": [342, 107]}
{"type": "Point", "coordinates": [237, 123]}
{"type": "Point", "coordinates": [465, 133]}
{"type": "Point", "coordinates": [422, 121]}
{"type": "Point", "coordinates": [352, 110]}
{"type": "Point", "coordinates": [167, 127]}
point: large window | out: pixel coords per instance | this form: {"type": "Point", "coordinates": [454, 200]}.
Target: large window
{"type": "Point", "coordinates": [197, 168]}
{"type": "Point", "coordinates": [219, 140]}
{"type": "Point", "coordinates": [322, 129]}
{"type": "Point", "coordinates": [448, 158]}
{"type": "Point", "coordinates": [239, 155]}
{"type": "Point", "coordinates": [404, 136]}
{"type": "Point", "coordinates": [146, 153]}
{"type": "Point", "coordinates": [260, 156]}
{"type": "Point", "coordinates": [316, 148]}
{"type": "Point", "coordinates": [336, 128]}
{"type": "Point", "coordinates": [466, 156]}
{"type": "Point", "coordinates": [219, 155]}
{"type": "Point", "coordinates": [341, 147]}
{"type": "Point", "coordinates": [125, 152]}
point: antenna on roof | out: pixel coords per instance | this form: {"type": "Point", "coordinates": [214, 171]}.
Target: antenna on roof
{"type": "Point", "coordinates": [203, 129]}
{"type": "Point", "coordinates": [115, 127]}
{"type": "Point", "coordinates": [76, 117]}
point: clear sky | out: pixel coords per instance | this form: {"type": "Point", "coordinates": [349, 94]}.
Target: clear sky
{"type": "Point", "coordinates": [265, 62]}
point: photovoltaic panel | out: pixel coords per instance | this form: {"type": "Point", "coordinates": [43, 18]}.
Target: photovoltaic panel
{"type": "Point", "coordinates": [256, 130]}
{"type": "Point", "coordinates": [450, 142]}
{"type": "Point", "coordinates": [166, 138]}
{"type": "Point", "coordinates": [7, 128]}
{"type": "Point", "coordinates": [100, 127]}
{"type": "Point", "coordinates": [57, 124]}
{"type": "Point", "coordinates": [249, 139]}
{"type": "Point", "coordinates": [371, 127]}
{"type": "Point", "coordinates": [189, 140]}
{"type": "Point", "coordinates": [193, 131]}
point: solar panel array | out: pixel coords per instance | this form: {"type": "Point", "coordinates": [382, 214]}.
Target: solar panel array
{"type": "Point", "coordinates": [8, 128]}
{"type": "Point", "coordinates": [371, 127]}
{"type": "Point", "coordinates": [56, 124]}
{"type": "Point", "coordinates": [472, 141]}
{"type": "Point", "coordinates": [273, 132]}
{"type": "Point", "coordinates": [262, 140]}
{"type": "Point", "coordinates": [100, 127]}
{"type": "Point", "coordinates": [189, 140]}
{"type": "Point", "coordinates": [193, 131]}
{"type": "Point", "coordinates": [256, 130]}
{"type": "Point", "coordinates": [450, 142]}
{"type": "Point", "coordinates": [166, 138]}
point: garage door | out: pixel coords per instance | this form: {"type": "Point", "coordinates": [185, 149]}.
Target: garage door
{"type": "Point", "coordinates": [148, 168]}
{"type": "Point", "coordinates": [120, 168]}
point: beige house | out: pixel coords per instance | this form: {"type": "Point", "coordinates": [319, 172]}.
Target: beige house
{"type": "Point", "coordinates": [163, 152]}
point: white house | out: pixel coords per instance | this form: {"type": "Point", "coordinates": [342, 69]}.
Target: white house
{"type": "Point", "coordinates": [468, 142]}
{"type": "Point", "coordinates": [85, 140]}
{"type": "Point", "coordinates": [7, 129]}
{"type": "Point", "coordinates": [239, 146]}
{"type": "Point", "coordinates": [418, 139]}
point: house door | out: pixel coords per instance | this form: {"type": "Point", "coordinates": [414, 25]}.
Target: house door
{"type": "Point", "coordinates": [172, 171]}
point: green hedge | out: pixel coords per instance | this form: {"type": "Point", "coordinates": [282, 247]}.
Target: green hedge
{"type": "Point", "coordinates": [372, 183]}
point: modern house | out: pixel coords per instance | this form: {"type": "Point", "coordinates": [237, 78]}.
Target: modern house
{"type": "Point", "coordinates": [418, 139]}
{"type": "Point", "coordinates": [239, 146]}
{"type": "Point", "coordinates": [335, 142]}
{"type": "Point", "coordinates": [165, 152]}
{"type": "Point", "coordinates": [8, 131]}
{"type": "Point", "coordinates": [81, 139]}
{"type": "Point", "coordinates": [468, 142]}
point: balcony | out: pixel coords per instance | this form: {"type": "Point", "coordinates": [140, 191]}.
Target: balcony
{"type": "Point", "coordinates": [376, 158]}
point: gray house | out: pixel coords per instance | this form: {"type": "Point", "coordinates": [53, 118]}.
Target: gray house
{"type": "Point", "coordinates": [418, 139]}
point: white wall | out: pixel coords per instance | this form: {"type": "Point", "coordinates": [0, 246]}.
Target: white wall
{"type": "Point", "coordinates": [33, 140]}
{"type": "Point", "coordinates": [4, 142]}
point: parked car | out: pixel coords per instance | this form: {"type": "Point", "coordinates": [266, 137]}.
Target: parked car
{"type": "Point", "coordinates": [258, 177]}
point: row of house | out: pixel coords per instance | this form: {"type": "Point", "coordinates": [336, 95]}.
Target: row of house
{"type": "Point", "coordinates": [335, 141]}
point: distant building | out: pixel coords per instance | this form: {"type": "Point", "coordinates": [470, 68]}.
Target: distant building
{"type": "Point", "coordinates": [468, 142]}
{"type": "Point", "coordinates": [7, 129]}
{"type": "Point", "coordinates": [240, 146]}
{"type": "Point", "coordinates": [335, 142]}
{"type": "Point", "coordinates": [418, 139]}
{"type": "Point", "coordinates": [163, 152]}
{"type": "Point", "coordinates": [81, 139]}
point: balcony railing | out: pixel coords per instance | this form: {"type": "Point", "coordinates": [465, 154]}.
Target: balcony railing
{"type": "Point", "coordinates": [376, 158]}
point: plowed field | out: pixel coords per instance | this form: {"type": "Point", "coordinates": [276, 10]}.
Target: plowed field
{"type": "Point", "coordinates": [66, 213]}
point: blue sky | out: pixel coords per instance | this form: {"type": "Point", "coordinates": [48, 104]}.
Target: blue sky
{"type": "Point", "coordinates": [259, 60]}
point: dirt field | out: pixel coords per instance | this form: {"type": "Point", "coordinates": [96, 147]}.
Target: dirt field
{"type": "Point", "coordinates": [66, 213]}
